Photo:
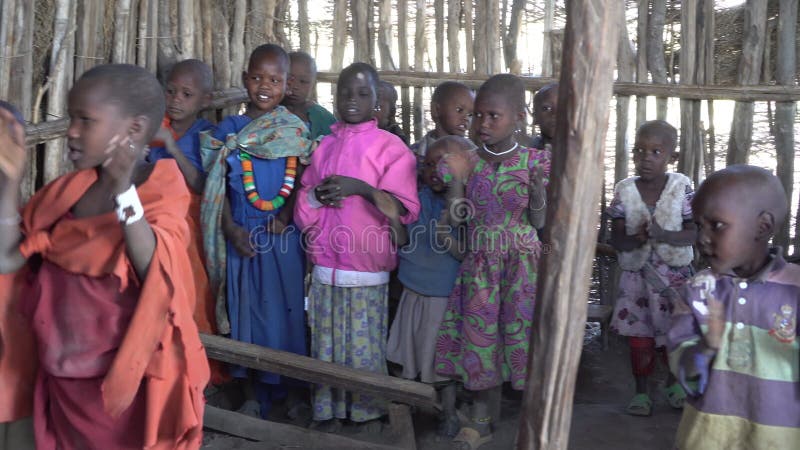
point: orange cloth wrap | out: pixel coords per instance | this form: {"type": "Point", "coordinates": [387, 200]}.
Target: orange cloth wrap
{"type": "Point", "coordinates": [162, 343]}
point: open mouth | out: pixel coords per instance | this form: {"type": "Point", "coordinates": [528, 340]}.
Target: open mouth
{"type": "Point", "coordinates": [74, 154]}
{"type": "Point", "coordinates": [263, 98]}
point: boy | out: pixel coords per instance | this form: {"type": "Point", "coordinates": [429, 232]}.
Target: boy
{"type": "Point", "coordinates": [735, 332]}
{"type": "Point", "coordinates": [387, 110]}
{"type": "Point", "coordinates": [544, 115]}
{"type": "Point", "coordinates": [451, 111]}
{"type": "Point", "coordinates": [299, 86]}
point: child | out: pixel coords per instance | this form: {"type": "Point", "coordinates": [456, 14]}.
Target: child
{"type": "Point", "coordinates": [188, 92]}
{"type": "Point", "coordinates": [360, 183]}
{"type": "Point", "coordinates": [483, 340]}
{"type": "Point", "coordinates": [247, 217]}
{"type": "Point", "coordinates": [17, 345]}
{"type": "Point", "coordinates": [386, 111]}
{"type": "Point", "coordinates": [653, 232]}
{"type": "Point", "coordinates": [451, 111]}
{"type": "Point", "coordinates": [545, 103]}
{"type": "Point", "coordinates": [121, 363]}
{"type": "Point", "coordinates": [299, 86]}
{"type": "Point", "coordinates": [427, 270]}
{"type": "Point", "coordinates": [736, 327]}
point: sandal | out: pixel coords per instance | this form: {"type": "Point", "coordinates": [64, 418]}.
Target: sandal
{"type": "Point", "coordinates": [469, 439]}
{"type": "Point", "coordinates": [640, 405]}
{"type": "Point", "coordinates": [675, 395]}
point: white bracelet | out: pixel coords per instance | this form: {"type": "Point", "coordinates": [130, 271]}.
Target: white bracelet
{"type": "Point", "coordinates": [129, 207]}
{"type": "Point", "coordinates": [11, 221]}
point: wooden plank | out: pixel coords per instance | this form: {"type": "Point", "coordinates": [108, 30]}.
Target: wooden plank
{"type": "Point", "coordinates": [751, 93]}
{"type": "Point", "coordinates": [279, 435]}
{"type": "Point", "coordinates": [590, 46]}
{"type": "Point", "coordinates": [316, 371]}
{"type": "Point", "coordinates": [46, 131]}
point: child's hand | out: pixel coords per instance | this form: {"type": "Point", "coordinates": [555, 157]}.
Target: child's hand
{"type": "Point", "coordinates": [453, 166]}
{"type": "Point", "coordinates": [336, 188]}
{"type": "Point", "coordinates": [240, 239]}
{"type": "Point", "coordinates": [165, 135]}
{"type": "Point", "coordinates": [387, 204]}
{"type": "Point", "coordinates": [695, 363]}
{"type": "Point", "coordinates": [715, 323]}
{"type": "Point", "coordinates": [655, 231]}
{"type": "Point", "coordinates": [642, 236]}
{"type": "Point", "coordinates": [120, 163]}
{"type": "Point", "coordinates": [536, 187]}
{"type": "Point", "coordinates": [12, 147]}
{"type": "Point", "coordinates": [275, 225]}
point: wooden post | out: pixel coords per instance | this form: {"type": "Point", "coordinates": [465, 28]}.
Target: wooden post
{"type": "Point", "coordinates": [419, 60]}
{"type": "Point", "coordinates": [755, 24]}
{"type": "Point", "coordinates": [303, 25]}
{"type": "Point", "coordinates": [385, 34]}
{"type": "Point", "coordinates": [479, 43]}
{"type": "Point", "coordinates": [690, 152]}
{"type": "Point", "coordinates": [402, 41]}
{"type": "Point", "coordinates": [237, 42]}
{"type": "Point", "coordinates": [61, 71]}
{"type": "Point", "coordinates": [557, 334]}
{"type": "Point", "coordinates": [186, 28]}
{"type": "Point", "coordinates": [438, 12]}
{"type": "Point", "coordinates": [121, 35]}
{"type": "Point", "coordinates": [785, 111]}
{"type": "Point", "coordinates": [221, 54]}
{"type": "Point", "coordinates": [166, 40]}
{"type": "Point", "coordinates": [208, 9]}
{"type": "Point", "coordinates": [547, 41]}
{"type": "Point", "coordinates": [494, 46]}
{"type": "Point", "coordinates": [624, 73]}
{"type": "Point", "coordinates": [709, 18]}
{"type": "Point", "coordinates": [469, 35]}
{"type": "Point", "coordinates": [339, 34]}
{"type": "Point", "coordinates": [7, 13]}
{"type": "Point", "coordinates": [453, 28]}
{"type": "Point", "coordinates": [21, 81]}
{"type": "Point", "coordinates": [655, 52]}
{"type": "Point", "coordinates": [511, 37]}
{"type": "Point", "coordinates": [641, 57]}
{"type": "Point", "coordinates": [141, 36]}
{"type": "Point", "coordinates": [199, 33]}
{"type": "Point", "coordinates": [280, 19]}
{"type": "Point", "coordinates": [359, 32]}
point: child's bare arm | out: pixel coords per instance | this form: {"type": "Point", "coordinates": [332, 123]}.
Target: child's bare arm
{"type": "Point", "coordinates": [390, 207]}
{"type": "Point", "coordinates": [687, 236]}
{"type": "Point", "coordinates": [624, 242]}
{"type": "Point", "coordinates": [233, 232]}
{"type": "Point", "coordinates": [446, 237]}
{"type": "Point", "coordinates": [12, 167]}
{"type": "Point", "coordinates": [537, 198]}
{"type": "Point", "coordinates": [194, 178]}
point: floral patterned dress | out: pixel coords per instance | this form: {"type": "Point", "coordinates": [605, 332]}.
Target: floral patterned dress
{"type": "Point", "coordinates": [642, 310]}
{"type": "Point", "coordinates": [484, 337]}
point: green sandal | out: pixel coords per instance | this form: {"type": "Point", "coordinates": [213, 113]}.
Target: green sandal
{"type": "Point", "coordinates": [640, 405]}
{"type": "Point", "coordinates": [675, 395]}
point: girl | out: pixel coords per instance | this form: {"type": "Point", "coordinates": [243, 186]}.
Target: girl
{"type": "Point", "coordinates": [298, 100]}
{"type": "Point", "coordinates": [257, 251]}
{"type": "Point", "coordinates": [483, 340]}
{"type": "Point", "coordinates": [121, 363]}
{"type": "Point", "coordinates": [359, 187]}
{"type": "Point", "coordinates": [653, 232]}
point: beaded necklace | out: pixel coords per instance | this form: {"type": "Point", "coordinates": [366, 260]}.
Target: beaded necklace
{"type": "Point", "coordinates": [249, 181]}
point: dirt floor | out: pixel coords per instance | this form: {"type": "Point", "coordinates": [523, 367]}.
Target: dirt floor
{"type": "Point", "coordinates": [604, 387]}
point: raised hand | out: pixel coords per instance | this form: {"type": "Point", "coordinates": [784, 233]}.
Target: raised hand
{"type": "Point", "coordinates": [121, 162]}
{"type": "Point", "coordinates": [165, 135]}
{"type": "Point", "coordinates": [453, 166]}
{"type": "Point", "coordinates": [12, 147]}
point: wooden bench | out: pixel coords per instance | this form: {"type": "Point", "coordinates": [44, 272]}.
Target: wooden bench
{"type": "Point", "coordinates": [402, 392]}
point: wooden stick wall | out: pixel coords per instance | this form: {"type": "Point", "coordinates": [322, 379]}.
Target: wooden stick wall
{"type": "Point", "coordinates": [46, 44]}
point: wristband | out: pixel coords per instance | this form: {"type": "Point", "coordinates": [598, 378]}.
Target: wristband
{"type": "Point", "coordinates": [129, 207]}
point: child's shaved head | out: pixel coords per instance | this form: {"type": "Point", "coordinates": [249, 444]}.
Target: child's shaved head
{"type": "Point", "coordinates": [661, 129]}
{"type": "Point", "coordinates": [452, 142]}
{"type": "Point", "coordinates": [756, 189]}
{"type": "Point", "coordinates": [198, 69]}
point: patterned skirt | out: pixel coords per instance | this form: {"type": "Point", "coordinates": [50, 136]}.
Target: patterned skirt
{"type": "Point", "coordinates": [348, 327]}
{"type": "Point", "coordinates": [484, 337]}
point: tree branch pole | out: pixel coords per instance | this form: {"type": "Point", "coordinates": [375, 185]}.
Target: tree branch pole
{"type": "Point", "coordinates": [785, 111]}
{"type": "Point", "coordinates": [590, 48]}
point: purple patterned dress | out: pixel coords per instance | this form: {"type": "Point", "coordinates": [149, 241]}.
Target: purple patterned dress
{"type": "Point", "coordinates": [483, 340]}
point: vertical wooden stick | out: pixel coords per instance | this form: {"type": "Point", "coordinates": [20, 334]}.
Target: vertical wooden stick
{"type": "Point", "coordinates": [220, 49]}
{"type": "Point", "coordinates": [624, 73]}
{"type": "Point", "coordinates": [438, 10]}
{"type": "Point", "coordinates": [8, 12]}
{"type": "Point", "coordinates": [21, 82]}
{"type": "Point", "coordinates": [141, 36]}
{"type": "Point", "coordinates": [166, 42]}
{"type": "Point", "coordinates": [453, 29]}
{"type": "Point", "coordinates": [547, 42]}
{"type": "Point", "coordinates": [385, 34]}
{"type": "Point", "coordinates": [402, 41]}
{"type": "Point", "coordinates": [359, 33]}
{"type": "Point", "coordinates": [186, 28]}
{"type": "Point", "coordinates": [303, 25]}
{"type": "Point", "coordinates": [121, 17]}
{"type": "Point", "coordinates": [565, 270]}
{"type": "Point", "coordinates": [419, 60]}
{"type": "Point", "coordinates": [237, 42]}
{"type": "Point", "coordinates": [655, 52]}
{"type": "Point", "coordinates": [641, 58]}
{"type": "Point", "coordinates": [689, 152]}
{"type": "Point", "coordinates": [785, 111]}
{"type": "Point", "coordinates": [151, 40]}
{"type": "Point", "coordinates": [207, 12]}
{"type": "Point", "coordinates": [469, 35]}
{"type": "Point", "coordinates": [511, 36]}
{"type": "Point", "coordinates": [755, 24]}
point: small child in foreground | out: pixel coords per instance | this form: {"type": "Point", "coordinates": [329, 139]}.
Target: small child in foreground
{"type": "Point", "coordinates": [428, 267]}
{"type": "Point", "coordinates": [734, 338]}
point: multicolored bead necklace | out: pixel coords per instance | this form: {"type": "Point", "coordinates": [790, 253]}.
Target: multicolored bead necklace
{"type": "Point", "coordinates": [249, 181]}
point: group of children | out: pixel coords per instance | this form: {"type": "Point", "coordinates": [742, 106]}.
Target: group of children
{"type": "Point", "coordinates": [117, 265]}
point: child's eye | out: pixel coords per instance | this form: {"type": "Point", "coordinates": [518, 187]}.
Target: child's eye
{"type": "Point", "coordinates": [657, 151]}
{"type": "Point", "coordinates": [494, 115]}
{"type": "Point", "coordinates": [717, 225]}
{"type": "Point", "coordinates": [547, 108]}
{"type": "Point", "coordinates": [478, 115]}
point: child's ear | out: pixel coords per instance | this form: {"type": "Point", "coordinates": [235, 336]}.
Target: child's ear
{"type": "Point", "coordinates": [674, 157]}
{"type": "Point", "coordinates": [521, 117]}
{"type": "Point", "coordinates": [434, 110]}
{"type": "Point", "coordinates": [766, 226]}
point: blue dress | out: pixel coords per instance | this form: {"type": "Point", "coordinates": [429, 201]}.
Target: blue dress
{"type": "Point", "coordinates": [265, 292]}
{"type": "Point", "coordinates": [189, 144]}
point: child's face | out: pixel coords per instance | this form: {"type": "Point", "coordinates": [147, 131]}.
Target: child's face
{"type": "Point", "coordinates": [727, 230]}
{"type": "Point", "coordinates": [265, 82]}
{"type": "Point", "coordinates": [356, 98]}
{"type": "Point", "coordinates": [185, 98]}
{"type": "Point", "coordinates": [494, 120]}
{"type": "Point", "coordinates": [301, 81]}
{"type": "Point", "coordinates": [454, 114]}
{"type": "Point", "coordinates": [545, 113]}
{"type": "Point", "coordinates": [93, 121]}
{"type": "Point", "coordinates": [384, 113]}
{"type": "Point", "coordinates": [652, 154]}
{"type": "Point", "coordinates": [429, 176]}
